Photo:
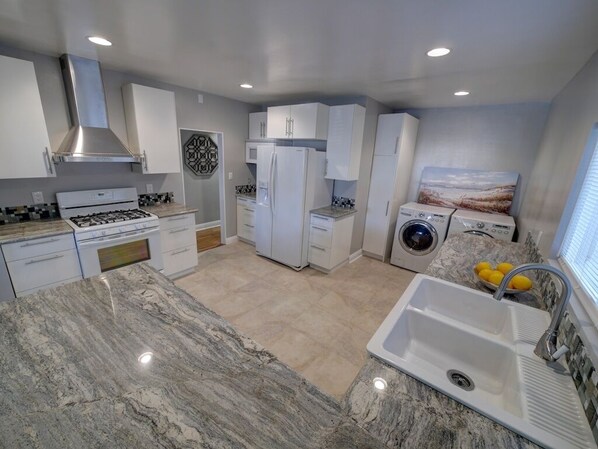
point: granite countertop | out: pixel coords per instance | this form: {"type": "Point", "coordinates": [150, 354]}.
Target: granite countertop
{"type": "Point", "coordinates": [250, 195]}
{"type": "Point", "coordinates": [168, 209]}
{"type": "Point", "coordinates": [334, 212]}
{"type": "Point", "coordinates": [70, 375]}
{"type": "Point", "coordinates": [17, 232]}
{"type": "Point", "coordinates": [461, 252]}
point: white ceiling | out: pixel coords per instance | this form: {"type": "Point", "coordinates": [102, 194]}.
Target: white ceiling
{"type": "Point", "coordinates": [504, 51]}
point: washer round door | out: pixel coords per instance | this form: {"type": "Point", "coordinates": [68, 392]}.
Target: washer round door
{"type": "Point", "coordinates": [418, 237]}
{"type": "Point", "coordinates": [480, 233]}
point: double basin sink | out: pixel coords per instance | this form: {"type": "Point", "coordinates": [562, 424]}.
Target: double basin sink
{"type": "Point", "coordinates": [479, 351]}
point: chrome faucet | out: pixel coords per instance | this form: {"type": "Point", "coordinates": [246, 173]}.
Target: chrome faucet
{"type": "Point", "coordinates": [546, 347]}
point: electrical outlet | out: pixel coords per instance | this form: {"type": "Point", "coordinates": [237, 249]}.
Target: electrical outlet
{"type": "Point", "coordinates": [38, 197]}
{"type": "Point", "coordinates": [230, 175]}
{"type": "Point", "coordinates": [149, 188]}
{"type": "Point", "coordinates": [200, 98]}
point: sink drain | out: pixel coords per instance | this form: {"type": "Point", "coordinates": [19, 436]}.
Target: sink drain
{"type": "Point", "coordinates": [460, 379]}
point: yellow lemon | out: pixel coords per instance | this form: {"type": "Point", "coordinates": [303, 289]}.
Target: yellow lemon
{"type": "Point", "coordinates": [511, 284]}
{"type": "Point", "coordinates": [485, 273]}
{"type": "Point", "coordinates": [522, 282]}
{"type": "Point", "coordinates": [483, 266]}
{"type": "Point", "coordinates": [504, 267]}
{"type": "Point", "coordinates": [496, 277]}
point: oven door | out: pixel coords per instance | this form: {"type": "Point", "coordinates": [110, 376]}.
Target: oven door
{"type": "Point", "coordinates": [108, 253]}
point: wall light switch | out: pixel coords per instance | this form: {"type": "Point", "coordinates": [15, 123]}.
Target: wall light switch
{"type": "Point", "coordinates": [38, 197]}
{"type": "Point", "coordinates": [149, 188]}
{"type": "Point", "coordinates": [230, 175]}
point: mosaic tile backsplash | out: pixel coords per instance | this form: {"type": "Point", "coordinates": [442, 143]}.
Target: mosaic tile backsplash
{"type": "Point", "coordinates": [345, 203]}
{"type": "Point", "coordinates": [245, 188]}
{"type": "Point", "coordinates": [151, 199]}
{"type": "Point", "coordinates": [582, 369]}
{"type": "Point", "coordinates": [18, 214]}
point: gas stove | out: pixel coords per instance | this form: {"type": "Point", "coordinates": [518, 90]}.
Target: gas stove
{"type": "Point", "coordinates": [102, 218]}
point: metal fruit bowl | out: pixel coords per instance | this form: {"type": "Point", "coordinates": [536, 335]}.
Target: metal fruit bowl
{"type": "Point", "coordinates": [491, 286]}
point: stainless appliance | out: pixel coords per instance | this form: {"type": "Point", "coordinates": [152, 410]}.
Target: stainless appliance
{"type": "Point", "coordinates": [90, 139]}
{"type": "Point", "coordinates": [290, 183]}
{"type": "Point", "coordinates": [110, 229]}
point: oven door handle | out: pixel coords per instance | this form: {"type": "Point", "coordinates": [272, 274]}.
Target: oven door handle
{"type": "Point", "coordinates": [135, 235]}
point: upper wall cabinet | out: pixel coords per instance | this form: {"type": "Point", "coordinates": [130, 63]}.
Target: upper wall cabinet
{"type": "Point", "coordinates": [258, 125]}
{"type": "Point", "coordinates": [24, 142]}
{"type": "Point", "coordinates": [298, 121]}
{"type": "Point", "coordinates": [152, 128]}
{"type": "Point", "coordinates": [345, 140]}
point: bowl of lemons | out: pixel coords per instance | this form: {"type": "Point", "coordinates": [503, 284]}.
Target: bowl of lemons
{"type": "Point", "coordinates": [491, 276]}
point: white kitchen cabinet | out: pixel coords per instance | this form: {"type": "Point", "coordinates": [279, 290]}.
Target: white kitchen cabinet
{"type": "Point", "coordinates": [345, 140]}
{"type": "Point", "coordinates": [179, 245]}
{"type": "Point", "coordinates": [42, 263]}
{"type": "Point", "coordinates": [152, 128]}
{"type": "Point", "coordinates": [298, 121]}
{"type": "Point", "coordinates": [24, 143]}
{"type": "Point", "coordinates": [329, 241]}
{"type": "Point", "coordinates": [246, 219]}
{"type": "Point", "coordinates": [391, 172]}
{"type": "Point", "coordinates": [258, 125]}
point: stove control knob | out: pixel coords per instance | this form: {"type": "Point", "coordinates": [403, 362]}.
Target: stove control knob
{"type": "Point", "coordinates": [480, 225]}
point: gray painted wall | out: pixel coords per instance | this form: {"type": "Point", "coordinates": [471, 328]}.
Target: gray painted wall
{"type": "Point", "coordinates": [573, 114]}
{"type": "Point", "coordinates": [215, 114]}
{"type": "Point", "coordinates": [501, 138]}
{"type": "Point", "coordinates": [201, 192]}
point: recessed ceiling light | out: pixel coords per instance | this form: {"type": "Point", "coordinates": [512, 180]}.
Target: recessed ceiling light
{"type": "Point", "coordinates": [436, 52]}
{"type": "Point", "coordinates": [379, 383]}
{"type": "Point", "coordinates": [246, 86]}
{"type": "Point", "coordinates": [461, 93]}
{"type": "Point", "coordinates": [145, 358]}
{"type": "Point", "coordinates": [99, 41]}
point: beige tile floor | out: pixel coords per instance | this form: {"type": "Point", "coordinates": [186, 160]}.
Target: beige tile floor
{"type": "Point", "coordinates": [317, 324]}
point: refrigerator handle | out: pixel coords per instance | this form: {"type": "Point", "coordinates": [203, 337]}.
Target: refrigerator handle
{"type": "Point", "coordinates": [270, 179]}
{"type": "Point", "coordinates": [273, 185]}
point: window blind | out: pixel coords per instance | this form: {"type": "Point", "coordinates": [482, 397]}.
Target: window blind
{"type": "Point", "coordinates": [580, 246]}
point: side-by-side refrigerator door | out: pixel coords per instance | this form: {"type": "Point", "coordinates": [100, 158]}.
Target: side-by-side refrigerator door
{"type": "Point", "coordinates": [263, 208]}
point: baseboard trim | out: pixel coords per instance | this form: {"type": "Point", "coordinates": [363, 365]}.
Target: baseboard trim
{"type": "Point", "coordinates": [232, 239]}
{"type": "Point", "coordinates": [356, 255]}
{"type": "Point", "coordinates": [208, 225]}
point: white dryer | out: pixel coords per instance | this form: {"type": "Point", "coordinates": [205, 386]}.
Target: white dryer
{"type": "Point", "coordinates": [501, 227]}
{"type": "Point", "coordinates": [420, 232]}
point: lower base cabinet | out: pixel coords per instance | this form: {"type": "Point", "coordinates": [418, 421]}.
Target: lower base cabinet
{"type": "Point", "coordinates": [179, 245]}
{"type": "Point", "coordinates": [246, 220]}
{"type": "Point", "coordinates": [329, 242]}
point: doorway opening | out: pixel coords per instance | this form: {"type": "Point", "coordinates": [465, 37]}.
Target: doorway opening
{"type": "Point", "coordinates": [203, 184]}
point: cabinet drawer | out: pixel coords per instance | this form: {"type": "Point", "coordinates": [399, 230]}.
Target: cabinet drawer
{"type": "Point", "coordinates": [320, 220]}
{"type": "Point", "coordinates": [44, 287]}
{"type": "Point", "coordinates": [175, 238]}
{"type": "Point", "coordinates": [38, 271]}
{"type": "Point", "coordinates": [321, 236]}
{"type": "Point", "coordinates": [246, 231]}
{"type": "Point", "coordinates": [318, 255]}
{"type": "Point", "coordinates": [38, 247]}
{"type": "Point", "coordinates": [179, 260]}
{"type": "Point", "coordinates": [177, 221]}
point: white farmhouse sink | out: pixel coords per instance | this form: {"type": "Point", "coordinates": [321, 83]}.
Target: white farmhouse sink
{"type": "Point", "coordinates": [479, 351]}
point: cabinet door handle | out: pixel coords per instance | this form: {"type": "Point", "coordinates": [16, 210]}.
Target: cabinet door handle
{"type": "Point", "coordinates": [317, 247]}
{"type": "Point", "coordinates": [56, 256]}
{"type": "Point", "coordinates": [248, 225]}
{"type": "Point", "coordinates": [47, 156]}
{"type": "Point", "coordinates": [286, 127]}
{"type": "Point", "coordinates": [145, 160]}
{"type": "Point", "coordinates": [397, 145]}
{"type": "Point", "coordinates": [319, 228]}
{"type": "Point", "coordinates": [326, 167]}
{"type": "Point", "coordinates": [177, 218]}
{"type": "Point", "coordinates": [248, 210]}
{"type": "Point", "coordinates": [180, 251]}
{"type": "Point", "coordinates": [292, 127]}
{"type": "Point", "coordinates": [25, 245]}
{"type": "Point", "coordinates": [387, 204]}
{"type": "Point", "coordinates": [176, 231]}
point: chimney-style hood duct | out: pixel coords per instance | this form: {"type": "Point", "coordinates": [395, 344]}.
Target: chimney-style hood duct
{"type": "Point", "coordinates": [90, 139]}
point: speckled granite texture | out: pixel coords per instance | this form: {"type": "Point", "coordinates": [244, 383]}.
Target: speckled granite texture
{"type": "Point", "coordinates": [334, 212]}
{"type": "Point", "coordinates": [16, 232]}
{"type": "Point", "coordinates": [409, 414]}
{"type": "Point", "coordinates": [70, 375]}
{"type": "Point", "coordinates": [169, 209]}
{"type": "Point", "coordinates": [461, 252]}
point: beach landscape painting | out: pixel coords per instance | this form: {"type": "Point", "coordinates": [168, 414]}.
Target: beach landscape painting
{"type": "Point", "coordinates": [479, 190]}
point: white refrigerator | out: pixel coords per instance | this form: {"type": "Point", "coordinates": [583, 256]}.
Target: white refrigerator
{"type": "Point", "coordinates": [290, 183]}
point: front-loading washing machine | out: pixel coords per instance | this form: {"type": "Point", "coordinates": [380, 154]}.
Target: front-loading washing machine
{"type": "Point", "coordinates": [501, 227]}
{"type": "Point", "coordinates": [420, 232]}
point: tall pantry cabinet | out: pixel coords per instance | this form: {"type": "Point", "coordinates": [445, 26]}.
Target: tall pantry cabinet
{"type": "Point", "coordinates": [391, 172]}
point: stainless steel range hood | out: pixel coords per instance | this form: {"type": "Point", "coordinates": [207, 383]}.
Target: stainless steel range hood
{"type": "Point", "coordinates": [90, 139]}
